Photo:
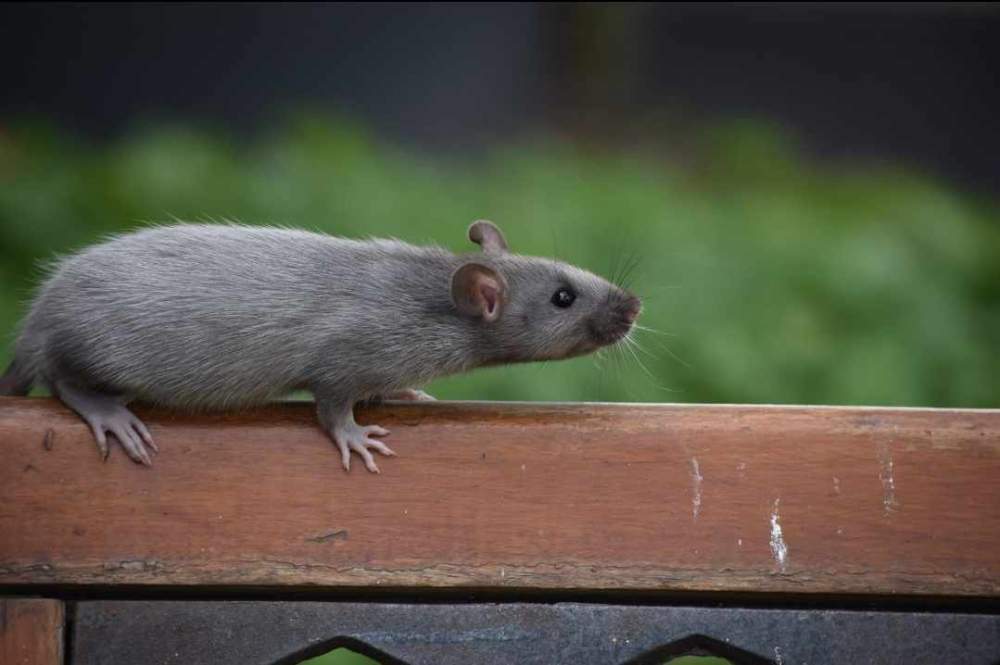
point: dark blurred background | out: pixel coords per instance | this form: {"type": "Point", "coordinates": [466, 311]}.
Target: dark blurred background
{"type": "Point", "coordinates": [900, 81]}
{"type": "Point", "coordinates": [810, 189]}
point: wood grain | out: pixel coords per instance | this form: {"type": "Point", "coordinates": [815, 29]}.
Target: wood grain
{"type": "Point", "coordinates": [31, 631]}
{"type": "Point", "coordinates": [499, 495]}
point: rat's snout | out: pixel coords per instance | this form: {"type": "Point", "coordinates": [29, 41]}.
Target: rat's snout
{"type": "Point", "coordinates": [615, 322]}
{"type": "Point", "coordinates": [630, 309]}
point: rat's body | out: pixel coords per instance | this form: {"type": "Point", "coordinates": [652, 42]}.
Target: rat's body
{"type": "Point", "coordinates": [213, 317]}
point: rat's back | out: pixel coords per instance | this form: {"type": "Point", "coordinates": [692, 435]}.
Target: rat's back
{"type": "Point", "coordinates": [197, 315]}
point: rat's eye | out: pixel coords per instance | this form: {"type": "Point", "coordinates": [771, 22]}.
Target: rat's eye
{"type": "Point", "coordinates": [563, 298]}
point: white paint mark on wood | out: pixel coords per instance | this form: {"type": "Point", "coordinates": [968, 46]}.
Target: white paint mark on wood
{"type": "Point", "coordinates": [778, 547]}
{"type": "Point", "coordinates": [696, 479]}
{"type": "Point", "coordinates": [888, 478]}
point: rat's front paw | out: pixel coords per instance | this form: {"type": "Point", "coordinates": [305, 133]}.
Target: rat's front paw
{"type": "Point", "coordinates": [411, 395]}
{"type": "Point", "coordinates": [352, 436]}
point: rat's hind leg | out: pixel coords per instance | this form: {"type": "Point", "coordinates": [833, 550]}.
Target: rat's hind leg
{"type": "Point", "coordinates": [337, 417]}
{"type": "Point", "coordinates": [105, 413]}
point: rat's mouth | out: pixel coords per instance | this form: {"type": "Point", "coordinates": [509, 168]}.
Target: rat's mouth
{"type": "Point", "coordinates": [609, 334]}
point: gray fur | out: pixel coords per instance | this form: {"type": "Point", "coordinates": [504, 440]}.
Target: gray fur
{"type": "Point", "coordinates": [197, 316]}
{"type": "Point", "coordinates": [16, 380]}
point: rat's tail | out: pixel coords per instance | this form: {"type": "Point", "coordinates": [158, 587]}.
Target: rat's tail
{"type": "Point", "coordinates": [15, 381]}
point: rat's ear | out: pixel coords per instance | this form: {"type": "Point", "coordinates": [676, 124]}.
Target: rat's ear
{"type": "Point", "coordinates": [478, 291]}
{"type": "Point", "coordinates": [486, 234]}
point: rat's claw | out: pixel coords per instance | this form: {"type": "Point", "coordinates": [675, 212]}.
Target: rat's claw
{"type": "Point", "coordinates": [345, 455]}
{"type": "Point", "coordinates": [140, 427]}
{"type": "Point", "coordinates": [381, 447]}
{"type": "Point", "coordinates": [100, 437]}
{"type": "Point", "coordinates": [360, 449]}
{"type": "Point", "coordinates": [375, 429]}
{"type": "Point", "coordinates": [132, 445]}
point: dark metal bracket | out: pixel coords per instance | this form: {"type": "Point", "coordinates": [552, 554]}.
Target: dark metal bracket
{"type": "Point", "coordinates": [269, 633]}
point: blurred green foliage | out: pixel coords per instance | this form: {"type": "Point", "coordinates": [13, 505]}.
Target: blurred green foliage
{"type": "Point", "coordinates": [340, 656]}
{"type": "Point", "coordinates": [774, 278]}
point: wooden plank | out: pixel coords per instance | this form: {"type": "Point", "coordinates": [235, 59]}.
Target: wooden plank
{"type": "Point", "coordinates": [31, 631]}
{"type": "Point", "coordinates": [544, 496]}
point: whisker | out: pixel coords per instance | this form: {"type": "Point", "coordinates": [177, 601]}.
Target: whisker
{"type": "Point", "coordinates": [599, 359]}
{"type": "Point", "coordinates": [673, 355]}
{"type": "Point", "coordinates": [662, 344]}
{"type": "Point", "coordinates": [628, 346]}
{"type": "Point", "coordinates": [631, 263]}
{"type": "Point", "coordinates": [617, 262]}
{"type": "Point", "coordinates": [633, 343]}
{"type": "Point", "coordinates": [619, 355]}
{"type": "Point", "coordinates": [653, 330]}
{"type": "Point", "coordinates": [636, 345]}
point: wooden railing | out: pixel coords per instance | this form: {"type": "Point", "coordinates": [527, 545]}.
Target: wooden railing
{"type": "Point", "coordinates": [745, 505]}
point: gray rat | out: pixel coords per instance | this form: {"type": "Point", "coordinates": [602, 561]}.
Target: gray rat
{"type": "Point", "coordinates": [205, 316]}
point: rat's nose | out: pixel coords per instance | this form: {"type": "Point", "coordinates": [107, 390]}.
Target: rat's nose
{"type": "Point", "coordinates": [631, 311]}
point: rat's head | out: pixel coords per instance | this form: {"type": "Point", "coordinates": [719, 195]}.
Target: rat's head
{"type": "Point", "coordinates": [538, 309]}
